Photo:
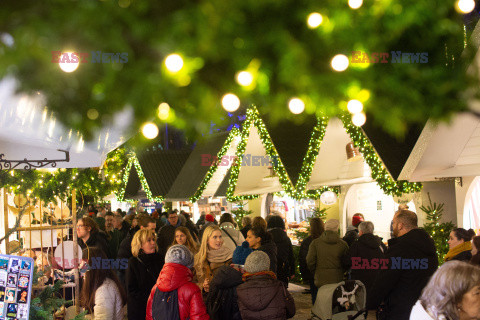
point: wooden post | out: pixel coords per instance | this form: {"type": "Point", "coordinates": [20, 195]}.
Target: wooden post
{"type": "Point", "coordinates": [75, 252]}
{"type": "Point", "coordinates": [5, 219]}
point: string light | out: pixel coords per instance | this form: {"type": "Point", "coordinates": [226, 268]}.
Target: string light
{"type": "Point", "coordinates": [230, 102]}
{"type": "Point", "coordinates": [359, 119]}
{"type": "Point", "coordinates": [163, 111]}
{"type": "Point", "coordinates": [354, 106]}
{"type": "Point", "coordinates": [174, 63]}
{"type": "Point", "coordinates": [465, 6]}
{"type": "Point", "coordinates": [244, 78]}
{"type": "Point", "coordinates": [314, 20]}
{"type": "Point", "coordinates": [296, 105]}
{"type": "Point", "coordinates": [150, 130]}
{"type": "Point", "coordinates": [69, 63]}
{"type": "Point", "coordinates": [340, 62]}
{"type": "Point", "coordinates": [355, 4]}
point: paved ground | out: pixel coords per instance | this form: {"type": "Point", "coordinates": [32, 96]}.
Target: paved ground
{"type": "Point", "coordinates": [303, 302]}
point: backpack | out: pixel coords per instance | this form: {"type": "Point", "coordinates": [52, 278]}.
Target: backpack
{"type": "Point", "coordinates": [165, 305]}
{"type": "Point", "coordinates": [222, 304]}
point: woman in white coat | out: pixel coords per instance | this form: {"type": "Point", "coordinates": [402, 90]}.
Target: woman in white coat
{"type": "Point", "coordinates": [232, 238]}
{"type": "Point", "coordinates": [102, 295]}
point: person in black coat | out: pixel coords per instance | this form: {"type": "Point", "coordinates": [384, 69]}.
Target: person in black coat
{"type": "Point", "coordinates": [412, 260]}
{"type": "Point", "coordinates": [367, 247]}
{"type": "Point", "coordinates": [90, 236]}
{"type": "Point", "coordinates": [460, 245]}
{"type": "Point", "coordinates": [125, 249]}
{"type": "Point", "coordinates": [142, 273]}
{"type": "Point", "coordinates": [166, 235]}
{"type": "Point", "coordinates": [285, 258]}
{"type": "Point", "coordinates": [222, 299]}
{"type": "Point", "coordinates": [190, 225]}
{"type": "Point", "coordinates": [352, 231]}
{"type": "Point", "coordinates": [259, 239]}
{"type": "Point", "coordinates": [316, 230]}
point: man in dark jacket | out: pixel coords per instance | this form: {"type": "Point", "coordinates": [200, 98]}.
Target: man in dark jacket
{"type": "Point", "coordinates": [285, 258]}
{"type": "Point", "coordinates": [352, 231]}
{"type": "Point", "coordinates": [412, 260]}
{"type": "Point", "coordinates": [167, 233]}
{"type": "Point", "coordinates": [369, 248]}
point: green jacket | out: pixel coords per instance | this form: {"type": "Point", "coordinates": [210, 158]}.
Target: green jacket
{"type": "Point", "coordinates": [324, 258]}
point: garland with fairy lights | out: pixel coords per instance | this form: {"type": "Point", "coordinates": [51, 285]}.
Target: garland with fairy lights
{"type": "Point", "coordinates": [213, 168]}
{"type": "Point", "coordinates": [253, 118]}
{"type": "Point", "coordinates": [47, 185]}
{"type": "Point", "coordinates": [379, 172]}
{"type": "Point", "coordinates": [133, 161]}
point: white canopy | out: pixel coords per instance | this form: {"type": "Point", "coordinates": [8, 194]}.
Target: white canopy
{"type": "Point", "coordinates": [29, 130]}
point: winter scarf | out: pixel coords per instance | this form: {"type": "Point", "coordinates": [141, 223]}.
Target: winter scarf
{"type": "Point", "coordinates": [466, 246]}
{"type": "Point", "coordinates": [247, 275]}
{"type": "Point", "coordinates": [219, 256]}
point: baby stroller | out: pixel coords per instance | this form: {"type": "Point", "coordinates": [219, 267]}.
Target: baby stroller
{"type": "Point", "coordinates": [341, 301]}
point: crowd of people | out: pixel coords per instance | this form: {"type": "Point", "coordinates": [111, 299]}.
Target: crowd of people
{"type": "Point", "coordinates": [178, 269]}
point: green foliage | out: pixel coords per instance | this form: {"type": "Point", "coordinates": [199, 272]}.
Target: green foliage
{"type": "Point", "coordinates": [46, 185]}
{"type": "Point", "coordinates": [219, 38]}
{"type": "Point", "coordinates": [240, 213]}
{"type": "Point", "coordinates": [439, 232]}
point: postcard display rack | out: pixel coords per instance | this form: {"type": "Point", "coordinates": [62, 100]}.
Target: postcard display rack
{"type": "Point", "coordinates": [37, 236]}
{"type": "Point", "coordinates": [16, 275]}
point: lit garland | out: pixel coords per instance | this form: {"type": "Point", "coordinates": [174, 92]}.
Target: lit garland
{"type": "Point", "coordinates": [213, 168]}
{"type": "Point", "coordinates": [253, 118]}
{"type": "Point", "coordinates": [133, 161]}
{"type": "Point", "coordinates": [379, 172]}
{"type": "Point", "coordinates": [48, 185]}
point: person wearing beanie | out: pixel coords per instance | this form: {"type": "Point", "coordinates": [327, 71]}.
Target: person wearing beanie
{"type": "Point", "coordinates": [222, 299]}
{"type": "Point", "coordinates": [325, 255]}
{"type": "Point", "coordinates": [352, 231]}
{"type": "Point", "coordinates": [209, 221]}
{"type": "Point", "coordinates": [262, 296]}
{"type": "Point", "coordinates": [176, 275]}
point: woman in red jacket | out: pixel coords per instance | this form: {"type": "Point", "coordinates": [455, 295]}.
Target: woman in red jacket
{"type": "Point", "coordinates": [175, 279]}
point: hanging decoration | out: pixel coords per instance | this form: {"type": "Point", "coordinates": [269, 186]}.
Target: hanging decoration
{"type": "Point", "coordinates": [234, 132]}
{"type": "Point", "coordinates": [379, 173]}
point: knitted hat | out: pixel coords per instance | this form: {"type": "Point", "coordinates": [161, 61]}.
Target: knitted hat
{"type": "Point", "coordinates": [241, 253]}
{"type": "Point", "coordinates": [332, 225]}
{"type": "Point", "coordinates": [209, 217]}
{"type": "Point", "coordinates": [356, 220]}
{"type": "Point", "coordinates": [257, 261]}
{"type": "Point", "coordinates": [179, 254]}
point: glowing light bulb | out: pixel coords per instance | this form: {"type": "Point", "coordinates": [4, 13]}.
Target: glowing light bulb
{"type": "Point", "coordinates": [340, 62]}
{"type": "Point", "coordinates": [244, 78]}
{"type": "Point", "coordinates": [230, 102]}
{"type": "Point", "coordinates": [174, 63]}
{"type": "Point", "coordinates": [355, 4]}
{"type": "Point", "coordinates": [314, 20]}
{"type": "Point", "coordinates": [68, 65]}
{"type": "Point", "coordinates": [354, 106]}
{"type": "Point", "coordinates": [359, 119]}
{"type": "Point", "coordinates": [465, 6]}
{"type": "Point", "coordinates": [150, 130]}
{"type": "Point", "coordinates": [296, 105]}
{"type": "Point", "coordinates": [163, 111]}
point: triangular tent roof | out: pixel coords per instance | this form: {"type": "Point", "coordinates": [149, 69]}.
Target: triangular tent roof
{"type": "Point", "coordinates": [326, 161]}
{"type": "Point", "coordinates": [202, 175]}
{"type": "Point", "coordinates": [156, 171]}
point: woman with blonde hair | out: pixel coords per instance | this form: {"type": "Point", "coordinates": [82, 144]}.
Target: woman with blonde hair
{"type": "Point", "coordinates": [453, 293]}
{"type": "Point", "coordinates": [142, 273]}
{"type": "Point", "coordinates": [211, 256]}
{"type": "Point", "coordinates": [183, 236]}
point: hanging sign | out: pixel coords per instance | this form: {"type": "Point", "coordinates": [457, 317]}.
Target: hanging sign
{"type": "Point", "coordinates": [328, 198]}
